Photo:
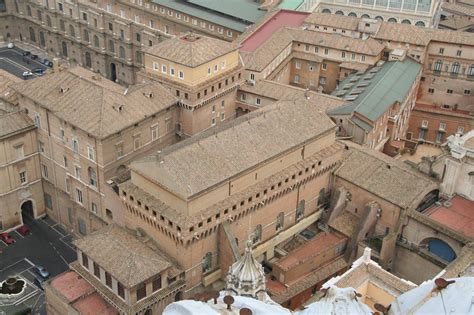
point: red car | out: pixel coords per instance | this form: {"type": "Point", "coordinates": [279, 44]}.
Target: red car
{"type": "Point", "coordinates": [23, 230]}
{"type": "Point", "coordinates": [7, 239]}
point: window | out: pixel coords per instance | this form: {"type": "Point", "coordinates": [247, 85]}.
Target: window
{"type": "Point", "coordinates": [438, 66]}
{"type": "Point", "coordinates": [19, 151]}
{"type": "Point", "coordinates": [213, 109]}
{"type": "Point", "coordinates": [156, 66]}
{"type": "Point", "coordinates": [322, 80]}
{"type": "Point", "coordinates": [85, 261]}
{"type": "Point", "coordinates": [300, 210]}
{"type": "Point", "coordinates": [181, 75]}
{"type": "Point", "coordinates": [79, 196]}
{"type": "Point", "coordinates": [154, 133]}
{"type": "Point", "coordinates": [164, 69]}
{"type": "Point", "coordinates": [136, 142]}
{"type": "Point", "coordinates": [60, 7]}
{"type": "Point", "coordinates": [75, 146]}
{"type": "Point", "coordinates": [62, 25]}
{"type": "Point", "coordinates": [326, 51]}
{"type": "Point", "coordinates": [296, 79]}
{"type": "Point", "coordinates": [122, 52]}
{"type": "Point", "coordinates": [111, 46]}
{"type": "Point", "coordinates": [442, 126]}
{"type": "Point", "coordinates": [141, 291]}
{"type": "Point", "coordinates": [280, 221]}
{"type": "Point", "coordinates": [343, 54]}
{"type": "Point", "coordinates": [439, 137]}
{"type": "Point", "coordinates": [362, 58]}
{"type": "Point", "coordinates": [108, 279]}
{"type": "Point", "coordinates": [458, 53]}
{"type": "Point", "coordinates": [207, 262]}
{"type": "Point", "coordinates": [90, 153]}
{"type": "Point", "coordinates": [258, 101]}
{"type": "Point", "coordinates": [72, 32]}
{"type": "Point", "coordinates": [44, 171]}
{"type": "Point", "coordinates": [441, 50]}
{"type": "Point", "coordinates": [86, 36]}
{"type": "Point", "coordinates": [92, 177]}
{"type": "Point", "coordinates": [222, 116]}
{"type": "Point", "coordinates": [120, 290]}
{"type": "Point", "coordinates": [353, 56]}
{"type": "Point", "coordinates": [297, 65]}
{"type": "Point", "coordinates": [68, 185]}
{"type": "Point", "coordinates": [222, 104]}
{"type": "Point", "coordinates": [48, 201]}
{"type": "Point", "coordinates": [449, 91]}
{"type": "Point", "coordinates": [431, 90]}
{"type": "Point", "coordinates": [65, 161]}
{"type": "Point", "coordinates": [96, 41]}
{"type": "Point", "coordinates": [94, 208]}
{"type": "Point", "coordinates": [156, 285]}
{"type": "Point", "coordinates": [455, 68]}
{"type": "Point", "coordinates": [77, 171]}
{"type": "Point", "coordinates": [467, 92]}
{"type": "Point", "coordinates": [84, 16]}
{"type": "Point", "coordinates": [172, 71]}
{"type": "Point", "coordinates": [213, 121]}
{"type": "Point", "coordinates": [138, 37]}
{"type": "Point", "coordinates": [229, 33]}
{"type": "Point", "coordinates": [325, 66]}
{"type": "Point", "coordinates": [460, 130]}
{"type": "Point", "coordinates": [108, 213]}
{"type": "Point", "coordinates": [37, 120]}
{"type": "Point", "coordinates": [96, 270]}
{"type": "Point", "coordinates": [424, 123]}
{"type": "Point", "coordinates": [23, 177]}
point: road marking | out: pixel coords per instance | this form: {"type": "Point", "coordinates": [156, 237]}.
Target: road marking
{"type": "Point", "coordinates": [29, 261]}
{"type": "Point", "coordinates": [57, 231]}
{"type": "Point", "coordinates": [9, 266]}
{"type": "Point", "coordinates": [19, 234]}
{"type": "Point", "coordinates": [67, 244]}
{"type": "Point", "coordinates": [57, 252]}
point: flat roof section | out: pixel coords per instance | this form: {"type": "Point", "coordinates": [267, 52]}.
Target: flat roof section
{"type": "Point", "coordinates": [459, 216]}
{"type": "Point", "coordinates": [94, 304]}
{"type": "Point", "coordinates": [281, 19]}
{"type": "Point", "coordinates": [71, 285]}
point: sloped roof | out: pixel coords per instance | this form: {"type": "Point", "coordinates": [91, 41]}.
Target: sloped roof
{"type": "Point", "coordinates": [12, 123]}
{"type": "Point", "coordinates": [383, 176]}
{"type": "Point", "coordinates": [191, 50]}
{"type": "Point", "coordinates": [389, 84]}
{"type": "Point", "coordinates": [333, 20]}
{"type": "Point", "coordinates": [122, 255]}
{"type": "Point", "coordinates": [92, 104]}
{"type": "Point", "coordinates": [248, 10]}
{"type": "Point", "coordinates": [210, 158]}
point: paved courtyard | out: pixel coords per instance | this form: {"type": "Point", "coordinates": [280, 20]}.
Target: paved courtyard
{"type": "Point", "coordinates": [49, 246]}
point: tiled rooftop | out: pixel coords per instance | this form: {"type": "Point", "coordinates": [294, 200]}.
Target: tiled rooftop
{"type": "Point", "coordinates": [71, 286]}
{"type": "Point", "coordinates": [459, 216]}
{"type": "Point", "coordinates": [94, 304]}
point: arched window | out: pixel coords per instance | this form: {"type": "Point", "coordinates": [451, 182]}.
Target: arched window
{"type": "Point", "coordinates": [420, 24]}
{"type": "Point", "coordinates": [28, 10]}
{"type": "Point", "coordinates": [365, 16]}
{"type": "Point", "coordinates": [280, 221]}
{"type": "Point", "coordinates": [48, 21]}
{"type": "Point", "coordinates": [122, 52]}
{"type": "Point", "coordinates": [352, 14]}
{"type": "Point", "coordinates": [470, 71]}
{"type": "Point", "coordinates": [72, 32]}
{"type": "Point", "coordinates": [64, 49]}
{"type": "Point", "coordinates": [138, 56]}
{"type": "Point", "coordinates": [257, 234]}
{"type": "Point", "coordinates": [86, 36]}
{"type": "Point", "coordinates": [88, 59]}
{"type": "Point", "coordinates": [326, 11]}
{"type": "Point", "coordinates": [96, 41]}
{"type": "Point", "coordinates": [339, 13]}
{"type": "Point", "coordinates": [111, 46]}
{"type": "Point", "coordinates": [75, 146]}
{"type": "Point", "coordinates": [455, 68]}
{"type": "Point", "coordinates": [300, 210]}
{"type": "Point", "coordinates": [438, 66]}
{"type": "Point", "coordinates": [406, 21]}
{"type": "Point", "coordinates": [392, 20]}
{"type": "Point", "coordinates": [32, 34]}
{"type": "Point", "coordinates": [379, 18]}
{"type": "Point", "coordinates": [207, 262]}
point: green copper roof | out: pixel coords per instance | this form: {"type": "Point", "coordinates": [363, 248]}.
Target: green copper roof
{"type": "Point", "coordinates": [362, 124]}
{"type": "Point", "coordinates": [290, 4]}
{"type": "Point", "coordinates": [222, 12]}
{"type": "Point", "coordinates": [374, 91]}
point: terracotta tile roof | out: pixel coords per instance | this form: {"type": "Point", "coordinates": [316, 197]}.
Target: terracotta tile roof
{"type": "Point", "coordinates": [345, 223]}
{"type": "Point", "coordinates": [333, 20]}
{"type": "Point", "coordinates": [13, 123]}
{"type": "Point", "coordinates": [122, 255]}
{"type": "Point", "coordinates": [448, 36]}
{"type": "Point", "coordinates": [279, 91]}
{"type": "Point", "coordinates": [459, 8]}
{"type": "Point", "coordinates": [191, 50]}
{"type": "Point", "coordinates": [91, 103]}
{"type": "Point", "coordinates": [94, 304]}
{"type": "Point", "coordinates": [459, 215]}
{"type": "Point", "coordinates": [405, 33]}
{"type": "Point", "coordinates": [457, 22]}
{"type": "Point", "coordinates": [214, 156]}
{"type": "Point", "coordinates": [383, 176]}
{"type": "Point", "coordinates": [321, 242]}
{"type": "Point", "coordinates": [71, 286]}
{"type": "Point", "coordinates": [7, 79]}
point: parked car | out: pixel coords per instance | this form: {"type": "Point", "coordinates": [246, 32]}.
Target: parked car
{"type": "Point", "coordinates": [40, 270]}
{"type": "Point", "coordinates": [48, 63]}
{"type": "Point", "coordinates": [33, 56]}
{"type": "Point", "coordinates": [25, 53]}
{"type": "Point", "coordinates": [10, 45]}
{"type": "Point", "coordinates": [6, 238]}
{"type": "Point", "coordinates": [38, 282]}
{"type": "Point", "coordinates": [27, 74]}
{"type": "Point", "coordinates": [38, 71]}
{"type": "Point", "coordinates": [23, 230]}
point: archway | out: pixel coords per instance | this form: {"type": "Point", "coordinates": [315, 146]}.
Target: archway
{"type": "Point", "coordinates": [113, 72]}
{"type": "Point", "coordinates": [27, 211]}
{"type": "Point", "coordinates": [439, 248]}
{"type": "Point", "coordinates": [178, 296]}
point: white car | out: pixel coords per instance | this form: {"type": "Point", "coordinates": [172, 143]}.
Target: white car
{"type": "Point", "coordinates": [10, 45]}
{"type": "Point", "coordinates": [27, 74]}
